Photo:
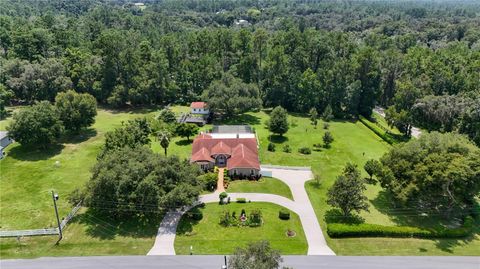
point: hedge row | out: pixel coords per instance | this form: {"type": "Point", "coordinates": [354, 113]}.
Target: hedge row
{"type": "Point", "coordinates": [241, 200]}
{"type": "Point", "coordinates": [377, 130]}
{"type": "Point", "coordinates": [339, 230]}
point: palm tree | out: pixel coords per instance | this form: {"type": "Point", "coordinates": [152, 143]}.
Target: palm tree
{"type": "Point", "coordinates": [164, 138]}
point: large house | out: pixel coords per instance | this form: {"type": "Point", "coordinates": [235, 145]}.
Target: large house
{"type": "Point", "coordinates": [234, 148]}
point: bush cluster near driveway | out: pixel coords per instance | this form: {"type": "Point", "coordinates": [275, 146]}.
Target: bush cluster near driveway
{"type": "Point", "coordinates": [263, 185]}
{"type": "Point", "coordinates": [207, 236]}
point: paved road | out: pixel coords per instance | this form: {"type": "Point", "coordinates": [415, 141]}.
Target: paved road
{"type": "Point", "coordinates": [295, 179]}
{"type": "Point", "coordinates": [209, 262]}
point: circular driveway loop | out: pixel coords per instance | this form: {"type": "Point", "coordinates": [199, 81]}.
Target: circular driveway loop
{"type": "Point", "coordinates": [294, 178]}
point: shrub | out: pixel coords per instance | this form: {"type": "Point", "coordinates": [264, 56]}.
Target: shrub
{"type": "Point", "coordinates": [327, 139]}
{"type": "Point", "coordinates": [326, 126]}
{"type": "Point", "coordinates": [209, 181]}
{"type": "Point", "coordinates": [223, 195]}
{"type": "Point", "coordinates": [339, 230]}
{"type": "Point", "coordinates": [287, 148]}
{"type": "Point", "coordinates": [284, 214]}
{"type": "Point", "coordinates": [241, 200]}
{"type": "Point", "coordinates": [225, 218]}
{"type": "Point", "coordinates": [305, 150]}
{"type": "Point", "coordinates": [255, 219]}
{"type": "Point", "coordinates": [271, 147]}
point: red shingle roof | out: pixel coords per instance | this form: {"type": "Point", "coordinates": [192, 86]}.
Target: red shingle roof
{"type": "Point", "coordinates": [198, 105]}
{"type": "Point", "coordinates": [243, 151]}
{"type": "Point", "coordinates": [221, 148]}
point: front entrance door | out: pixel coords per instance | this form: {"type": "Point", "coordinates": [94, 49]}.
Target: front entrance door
{"type": "Point", "coordinates": [221, 160]}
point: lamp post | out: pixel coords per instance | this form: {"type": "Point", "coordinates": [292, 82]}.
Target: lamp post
{"type": "Point", "coordinates": [225, 265]}
{"type": "Point", "coordinates": [55, 198]}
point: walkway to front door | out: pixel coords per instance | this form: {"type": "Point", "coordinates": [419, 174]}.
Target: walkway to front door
{"type": "Point", "coordinates": [220, 187]}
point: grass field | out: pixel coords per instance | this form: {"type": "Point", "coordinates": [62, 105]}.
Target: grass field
{"type": "Point", "coordinates": [264, 185]}
{"type": "Point", "coordinates": [208, 237]}
{"type": "Point", "coordinates": [28, 177]}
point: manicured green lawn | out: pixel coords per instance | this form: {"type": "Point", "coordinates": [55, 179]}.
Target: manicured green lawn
{"type": "Point", "coordinates": [27, 177]}
{"type": "Point", "coordinates": [264, 185]}
{"type": "Point", "coordinates": [87, 234]}
{"type": "Point", "coordinates": [208, 237]}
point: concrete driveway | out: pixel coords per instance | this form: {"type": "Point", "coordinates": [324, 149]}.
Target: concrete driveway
{"type": "Point", "coordinates": [294, 178]}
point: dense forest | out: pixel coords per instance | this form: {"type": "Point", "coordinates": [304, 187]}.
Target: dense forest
{"type": "Point", "coordinates": [419, 59]}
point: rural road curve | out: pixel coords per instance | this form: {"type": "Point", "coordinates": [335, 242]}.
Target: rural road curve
{"type": "Point", "coordinates": [294, 178]}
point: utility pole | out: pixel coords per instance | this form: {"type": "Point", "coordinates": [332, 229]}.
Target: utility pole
{"type": "Point", "coordinates": [55, 198]}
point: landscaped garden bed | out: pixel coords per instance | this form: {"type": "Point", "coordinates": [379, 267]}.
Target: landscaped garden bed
{"type": "Point", "coordinates": [209, 236]}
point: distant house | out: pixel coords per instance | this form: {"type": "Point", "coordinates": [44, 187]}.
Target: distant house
{"type": "Point", "coordinates": [139, 6]}
{"type": "Point", "coordinates": [199, 108]}
{"type": "Point", "coordinates": [241, 23]}
{"type": "Point", "coordinates": [238, 152]}
{"type": "Point", "coordinates": [5, 140]}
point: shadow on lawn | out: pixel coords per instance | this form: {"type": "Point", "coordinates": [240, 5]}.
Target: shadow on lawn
{"type": "Point", "coordinates": [79, 137]}
{"type": "Point", "coordinates": [447, 245]}
{"type": "Point", "coordinates": [410, 217]}
{"type": "Point", "coordinates": [104, 227]}
{"type": "Point", "coordinates": [183, 142]}
{"type": "Point", "coordinates": [407, 216]}
{"type": "Point", "coordinates": [278, 139]}
{"type": "Point", "coordinates": [25, 153]}
{"type": "Point", "coordinates": [32, 154]}
{"type": "Point", "coordinates": [241, 119]}
{"type": "Point", "coordinates": [185, 226]}
{"type": "Point", "coordinates": [336, 216]}
{"type": "Point", "coordinates": [131, 109]}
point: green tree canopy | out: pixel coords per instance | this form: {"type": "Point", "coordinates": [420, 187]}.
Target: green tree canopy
{"type": "Point", "coordinates": [231, 96]}
{"type": "Point", "coordinates": [76, 110]}
{"type": "Point", "coordinates": [257, 255]}
{"type": "Point", "coordinates": [132, 182]}
{"type": "Point", "coordinates": [372, 167]}
{"type": "Point", "coordinates": [38, 125]}
{"type": "Point", "coordinates": [132, 134]}
{"type": "Point", "coordinates": [278, 123]}
{"type": "Point", "coordinates": [186, 130]}
{"type": "Point", "coordinates": [437, 173]}
{"type": "Point", "coordinates": [167, 115]}
{"type": "Point", "coordinates": [347, 192]}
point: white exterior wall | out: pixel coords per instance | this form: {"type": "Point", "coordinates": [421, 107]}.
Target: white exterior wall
{"type": "Point", "coordinates": [243, 172]}
{"type": "Point", "coordinates": [203, 111]}
{"type": "Point", "coordinates": [231, 136]}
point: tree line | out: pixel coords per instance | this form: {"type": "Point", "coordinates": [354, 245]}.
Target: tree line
{"type": "Point", "coordinates": [123, 56]}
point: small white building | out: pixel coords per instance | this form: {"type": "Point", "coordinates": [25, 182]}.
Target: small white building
{"type": "Point", "coordinates": [5, 140]}
{"type": "Point", "coordinates": [199, 108]}
{"type": "Point", "coordinates": [241, 23]}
